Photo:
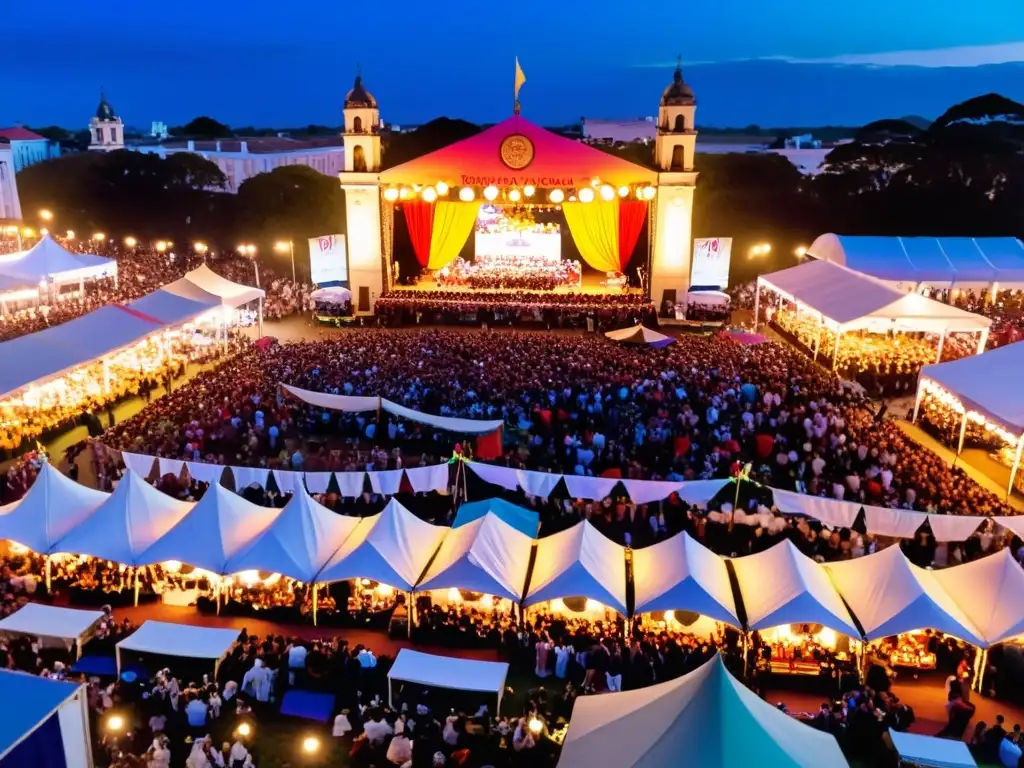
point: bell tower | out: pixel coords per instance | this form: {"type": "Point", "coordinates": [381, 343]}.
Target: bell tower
{"type": "Point", "coordinates": [106, 131]}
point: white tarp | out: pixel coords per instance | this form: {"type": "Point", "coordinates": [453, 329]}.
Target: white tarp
{"type": "Point", "coordinates": [433, 477]}
{"type": "Point", "coordinates": [188, 640]}
{"type": "Point", "coordinates": [347, 403]}
{"type": "Point", "coordinates": [982, 383]}
{"type": "Point", "coordinates": [393, 548]}
{"type": "Point", "coordinates": [486, 555]}
{"type": "Point", "coordinates": [49, 260]}
{"type": "Point", "coordinates": [298, 543]}
{"type": "Point", "coordinates": [579, 562]}
{"type": "Point", "coordinates": [988, 591]}
{"type": "Point", "coordinates": [706, 718]}
{"type": "Point", "coordinates": [219, 527]}
{"type": "Point", "coordinates": [53, 506]}
{"type": "Point", "coordinates": [783, 586]}
{"type": "Point", "coordinates": [68, 624]}
{"type": "Point", "coordinates": [830, 512]}
{"type": "Point", "coordinates": [203, 282]}
{"type": "Point", "coordinates": [931, 751]}
{"type": "Point", "coordinates": [204, 473]}
{"type": "Point", "coordinates": [426, 669]}
{"type": "Point", "coordinates": [890, 595]}
{"type": "Point", "coordinates": [640, 334]}
{"type": "Point", "coordinates": [124, 526]}
{"type": "Point", "coordinates": [681, 574]}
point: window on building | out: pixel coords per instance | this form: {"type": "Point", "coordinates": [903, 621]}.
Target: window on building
{"type": "Point", "coordinates": [680, 125]}
{"type": "Point", "coordinates": [357, 125]}
{"type": "Point", "coordinates": [358, 160]}
{"type": "Point", "coordinates": [678, 162]}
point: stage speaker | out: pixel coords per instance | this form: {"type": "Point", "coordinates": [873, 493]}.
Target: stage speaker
{"type": "Point", "coordinates": [364, 298]}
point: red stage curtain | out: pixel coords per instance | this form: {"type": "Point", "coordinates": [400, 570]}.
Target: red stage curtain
{"type": "Point", "coordinates": [632, 214]}
{"type": "Point", "coordinates": [489, 447]}
{"type": "Point", "coordinates": [419, 216]}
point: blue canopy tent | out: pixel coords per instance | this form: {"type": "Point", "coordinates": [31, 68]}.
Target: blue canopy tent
{"type": "Point", "coordinates": [49, 725]}
{"type": "Point", "coordinates": [524, 520]}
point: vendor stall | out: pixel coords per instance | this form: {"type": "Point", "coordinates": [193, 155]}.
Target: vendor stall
{"type": "Point", "coordinates": [186, 640]}
{"type": "Point", "coordinates": [427, 669]}
{"type": "Point", "coordinates": [45, 723]}
{"type": "Point", "coordinates": [67, 626]}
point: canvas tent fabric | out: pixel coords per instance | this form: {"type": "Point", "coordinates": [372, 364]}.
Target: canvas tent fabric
{"type": "Point", "coordinates": [799, 591]}
{"type": "Point", "coordinates": [988, 592]}
{"type": "Point", "coordinates": [203, 282]}
{"type": "Point", "coordinates": [124, 526]}
{"type": "Point", "coordinates": [218, 528]}
{"type": "Point", "coordinates": [487, 555]}
{"type": "Point", "coordinates": [299, 542]}
{"type": "Point", "coordinates": [890, 595]}
{"type": "Point", "coordinates": [942, 262]}
{"type": "Point", "coordinates": [167, 309]}
{"type": "Point", "coordinates": [696, 720]}
{"type": "Point", "coordinates": [523, 520]}
{"type": "Point", "coordinates": [51, 710]}
{"type": "Point", "coordinates": [53, 506]}
{"type": "Point", "coordinates": [850, 301]}
{"type": "Point", "coordinates": [49, 260]}
{"type": "Point", "coordinates": [167, 639]}
{"type": "Point", "coordinates": [392, 548]}
{"type": "Point", "coordinates": [681, 574]}
{"type": "Point", "coordinates": [981, 383]}
{"type": "Point", "coordinates": [640, 334]}
{"type": "Point", "coordinates": [448, 672]}
{"type": "Point", "coordinates": [71, 625]}
{"type": "Point", "coordinates": [579, 562]}
{"type": "Point", "coordinates": [931, 751]}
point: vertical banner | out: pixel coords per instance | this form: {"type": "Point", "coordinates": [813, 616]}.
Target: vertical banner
{"type": "Point", "coordinates": [328, 259]}
{"type": "Point", "coordinates": [711, 257]}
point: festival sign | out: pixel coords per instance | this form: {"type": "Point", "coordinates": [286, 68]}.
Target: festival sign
{"type": "Point", "coordinates": [328, 259]}
{"type": "Point", "coordinates": [710, 266]}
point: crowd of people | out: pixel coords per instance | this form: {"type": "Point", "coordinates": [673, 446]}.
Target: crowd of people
{"type": "Point", "coordinates": [513, 273]}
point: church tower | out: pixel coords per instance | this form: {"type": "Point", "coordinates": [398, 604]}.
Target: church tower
{"type": "Point", "coordinates": [361, 185]}
{"type": "Point", "coordinates": [106, 131]}
{"type": "Point", "coordinates": [674, 149]}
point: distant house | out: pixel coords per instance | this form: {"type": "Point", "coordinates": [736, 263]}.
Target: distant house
{"type": "Point", "coordinates": [10, 206]}
{"type": "Point", "coordinates": [28, 148]}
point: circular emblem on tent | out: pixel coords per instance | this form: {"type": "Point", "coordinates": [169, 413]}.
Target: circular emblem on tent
{"type": "Point", "coordinates": [516, 151]}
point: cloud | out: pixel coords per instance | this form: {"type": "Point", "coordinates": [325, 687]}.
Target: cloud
{"type": "Point", "coordinates": [958, 56]}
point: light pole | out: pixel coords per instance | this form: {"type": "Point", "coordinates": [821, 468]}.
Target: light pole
{"type": "Point", "coordinates": [281, 246]}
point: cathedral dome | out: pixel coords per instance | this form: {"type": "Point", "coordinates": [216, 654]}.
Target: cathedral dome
{"type": "Point", "coordinates": [104, 111]}
{"type": "Point", "coordinates": [359, 96]}
{"type": "Point", "coordinates": [678, 93]}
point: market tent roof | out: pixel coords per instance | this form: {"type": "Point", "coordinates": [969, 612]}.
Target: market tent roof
{"type": "Point", "coordinates": [203, 282]}
{"type": "Point", "coordinates": [981, 383]}
{"type": "Point", "coordinates": [449, 672]}
{"type": "Point", "coordinates": [931, 751]}
{"type": "Point", "coordinates": [798, 591]}
{"type": "Point", "coordinates": [522, 519]}
{"type": "Point", "coordinates": [299, 542]}
{"type": "Point", "coordinates": [169, 639]}
{"type": "Point", "coordinates": [49, 259]}
{"type": "Point", "coordinates": [890, 595]}
{"type": "Point", "coordinates": [988, 592]}
{"type": "Point", "coordinates": [50, 621]}
{"type": "Point", "coordinates": [706, 718]}
{"type": "Point", "coordinates": [579, 562]}
{"type": "Point", "coordinates": [168, 309]}
{"type": "Point", "coordinates": [124, 526]}
{"type": "Point", "coordinates": [8, 283]}
{"type": "Point", "coordinates": [551, 161]}
{"type": "Point", "coordinates": [218, 528]}
{"type": "Point", "coordinates": [487, 555]}
{"type": "Point", "coordinates": [681, 574]}
{"type": "Point", "coordinates": [393, 548]}
{"type": "Point", "coordinates": [853, 301]}
{"type": "Point", "coordinates": [31, 702]}
{"type": "Point", "coordinates": [53, 506]}
{"type": "Point", "coordinates": [939, 261]}
{"type": "Point", "coordinates": [640, 334]}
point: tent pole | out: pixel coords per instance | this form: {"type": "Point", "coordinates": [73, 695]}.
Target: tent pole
{"type": "Point", "coordinates": [1016, 466]}
{"type": "Point", "coordinates": [982, 340]}
{"type": "Point", "coordinates": [757, 303]}
{"type": "Point", "coordinates": [408, 623]}
{"type": "Point", "coordinates": [261, 318]}
{"type": "Point", "coordinates": [917, 401]}
{"type": "Point", "coordinates": [746, 654]}
{"type": "Point", "coordinates": [942, 342]}
{"type": "Point", "coordinates": [48, 574]}
{"type": "Point", "coordinates": [218, 597]}
{"type": "Point", "coordinates": [136, 588]}
{"type": "Point", "coordinates": [314, 603]}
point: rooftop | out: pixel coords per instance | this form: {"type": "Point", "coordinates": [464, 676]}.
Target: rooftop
{"type": "Point", "coordinates": [18, 133]}
{"type": "Point", "coordinates": [259, 145]}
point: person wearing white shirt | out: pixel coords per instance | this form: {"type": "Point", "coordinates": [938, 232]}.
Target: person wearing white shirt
{"type": "Point", "coordinates": [238, 755]}
{"type": "Point", "coordinates": [258, 682]}
{"type": "Point", "coordinates": [400, 750]}
{"type": "Point", "coordinates": [377, 730]}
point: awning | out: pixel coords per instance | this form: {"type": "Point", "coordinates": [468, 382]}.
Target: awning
{"type": "Point", "coordinates": [187, 640]}
{"type": "Point", "coordinates": [203, 283]}
{"type": "Point", "coordinates": [640, 334]}
{"type": "Point", "coordinates": [427, 669]}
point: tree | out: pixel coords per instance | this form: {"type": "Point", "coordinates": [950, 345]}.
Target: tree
{"type": "Point", "coordinates": [203, 128]}
{"type": "Point", "coordinates": [188, 170]}
{"type": "Point", "coordinates": [402, 147]}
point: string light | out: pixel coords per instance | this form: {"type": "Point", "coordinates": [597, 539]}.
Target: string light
{"type": "Point", "coordinates": [391, 194]}
{"type": "Point", "coordinates": [466, 194]}
{"type": "Point", "coordinates": [556, 196]}
{"type": "Point", "coordinates": [514, 195]}
{"type": "Point", "coordinates": [429, 194]}
{"type": "Point", "coordinates": [623, 191]}
{"type": "Point", "coordinates": [491, 193]}
{"type": "Point", "coordinates": [403, 193]}
{"type": "Point", "coordinates": [528, 190]}
{"type": "Point", "coordinates": [586, 195]}
{"type": "Point", "coordinates": [649, 193]}
{"type": "Point", "coordinates": [441, 187]}
{"type": "Point", "coordinates": [607, 192]}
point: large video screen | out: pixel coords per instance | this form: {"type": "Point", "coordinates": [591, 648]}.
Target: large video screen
{"type": "Point", "coordinates": [504, 237]}
{"type": "Point", "coordinates": [328, 259]}
{"type": "Point", "coordinates": [711, 258]}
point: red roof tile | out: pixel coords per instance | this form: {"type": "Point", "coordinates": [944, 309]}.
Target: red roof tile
{"type": "Point", "coordinates": [20, 134]}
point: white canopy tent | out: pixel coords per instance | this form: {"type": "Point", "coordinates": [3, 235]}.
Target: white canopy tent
{"type": "Point", "coordinates": [706, 718]}
{"type": "Point", "coordinates": [448, 672]}
{"type": "Point", "coordinates": [845, 300]}
{"type": "Point", "coordinates": [681, 574]}
{"type": "Point", "coordinates": [889, 595]}
{"type": "Point", "coordinates": [128, 523]}
{"type": "Point", "coordinates": [300, 540]}
{"type": "Point", "coordinates": [988, 591]}
{"type": "Point", "coordinates": [203, 284]}
{"type": "Point", "coordinates": [640, 334]}
{"type": "Point", "coordinates": [392, 548]}
{"type": "Point", "coordinates": [485, 555]}
{"type": "Point", "coordinates": [931, 751]}
{"type": "Point", "coordinates": [53, 507]}
{"type": "Point", "coordinates": [221, 526]}
{"type": "Point", "coordinates": [579, 562]}
{"type": "Point", "coordinates": [68, 625]}
{"type": "Point", "coordinates": [798, 591]}
{"type": "Point", "coordinates": [32, 704]}
{"type": "Point", "coordinates": [48, 260]}
{"type": "Point", "coordinates": [168, 639]}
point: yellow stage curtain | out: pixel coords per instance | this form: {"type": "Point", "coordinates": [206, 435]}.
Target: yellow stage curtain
{"type": "Point", "coordinates": [453, 223]}
{"type": "Point", "coordinates": [595, 230]}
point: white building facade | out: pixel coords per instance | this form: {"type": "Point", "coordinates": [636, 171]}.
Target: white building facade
{"type": "Point", "coordinates": [10, 205]}
{"type": "Point", "coordinates": [28, 148]}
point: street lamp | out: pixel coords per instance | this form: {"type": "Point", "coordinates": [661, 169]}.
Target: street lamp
{"type": "Point", "coordinates": [801, 252]}
{"type": "Point", "coordinates": [99, 237]}
{"type": "Point", "coordinates": [131, 242]}
{"type": "Point", "coordinates": [71, 234]}
{"type": "Point", "coordinates": [200, 247]}
{"type": "Point", "coordinates": [46, 215]}
{"type": "Point", "coordinates": [281, 247]}
{"type": "Point", "coordinates": [161, 246]}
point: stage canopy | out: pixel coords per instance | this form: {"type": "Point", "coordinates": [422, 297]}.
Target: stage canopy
{"type": "Point", "coordinates": [640, 334]}
{"type": "Point", "coordinates": [706, 718]}
{"type": "Point", "coordinates": [579, 562]}
{"type": "Point", "coordinates": [392, 548]}
{"type": "Point", "coordinates": [889, 595]}
{"type": "Point", "coordinates": [523, 520]}
{"type": "Point", "coordinates": [49, 260]}
{"type": "Point", "coordinates": [942, 262]}
{"type": "Point", "coordinates": [221, 526]}
{"type": "Point", "coordinates": [47, 621]}
{"type": "Point", "coordinates": [543, 160]}
{"type": "Point", "coordinates": [298, 542]}
{"type": "Point", "coordinates": [53, 506]}
{"type": "Point", "coordinates": [681, 574]}
{"type": "Point", "coordinates": [931, 751]}
{"type": "Point", "coordinates": [798, 592]}
{"type": "Point", "coordinates": [487, 555]}
{"type": "Point", "coordinates": [45, 723]}
{"type": "Point", "coordinates": [988, 592]}
{"type": "Point", "coordinates": [187, 640]}
{"type": "Point", "coordinates": [205, 286]}
{"type": "Point", "coordinates": [448, 672]}
{"type": "Point", "coordinates": [169, 309]}
{"type": "Point", "coordinates": [124, 526]}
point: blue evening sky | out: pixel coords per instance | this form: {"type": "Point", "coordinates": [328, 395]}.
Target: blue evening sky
{"type": "Point", "coordinates": [286, 64]}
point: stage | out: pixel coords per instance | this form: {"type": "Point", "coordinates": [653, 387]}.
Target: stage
{"type": "Point", "coordinates": [590, 284]}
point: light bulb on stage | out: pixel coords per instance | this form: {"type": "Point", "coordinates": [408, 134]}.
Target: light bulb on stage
{"type": "Point", "coordinates": [514, 195]}
{"type": "Point", "coordinates": [491, 193]}
{"type": "Point", "coordinates": [586, 195]}
{"type": "Point", "coordinates": [429, 195]}
{"type": "Point", "coordinates": [466, 194]}
{"type": "Point", "coordinates": [607, 192]}
{"type": "Point", "coordinates": [391, 194]}
{"type": "Point", "coordinates": [556, 196]}
{"type": "Point", "coordinates": [528, 190]}
{"type": "Point", "coordinates": [441, 187]}
{"type": "Point", "coordinates": [623, 191]}
{"type": "Point", "coordinates": [649, 193]}
{"type": "Point", "coordinates": [403, 193]}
